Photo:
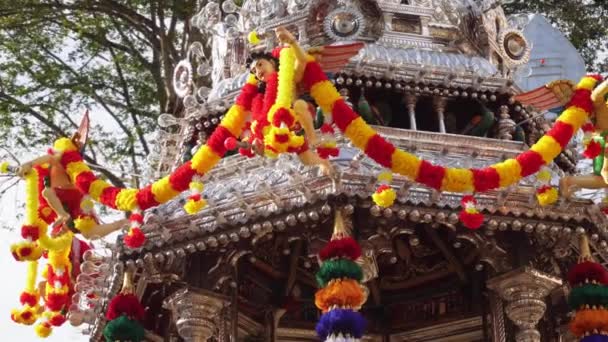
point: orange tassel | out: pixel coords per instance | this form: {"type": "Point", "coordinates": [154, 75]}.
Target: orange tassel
{"type": "Point", "coordinates": [342, 293]}
{"type": "Point", "coordinates": [588, 320]}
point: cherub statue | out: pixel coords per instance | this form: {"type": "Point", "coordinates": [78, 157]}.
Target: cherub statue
{"type": "Point", "coordinates": [265, 68]}
{"type": "Point", "coordinates": [559, 93]}
{"type": "Point", "coordinates": [67, 202]}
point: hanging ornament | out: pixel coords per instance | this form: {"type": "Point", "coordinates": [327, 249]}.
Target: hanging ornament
{"type": "Point", "coordinates": [341, 293]}
{"type": "Point", "coordinates": [4, 167]}
{"type": "Point", "coordinates": [470, 215]}
{"type": "Point", "coordinates": [588, 297]}
{"type": "Point", "coordinates": [135, 238]}
{"type": "Point", "coordinates": [195, 201]}
{"type": "Point", "coordinates": [385, 195]}
{"type": "Point", "coordinates": [253, 38]}
{"type": "Point", "coordinates": [125, 314]}
{"type": "Point", "coordinates": [545, 193]}
{"type": "Point", "coordinates": [329, 147]}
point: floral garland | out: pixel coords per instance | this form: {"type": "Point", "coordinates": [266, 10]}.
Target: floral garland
{"type": "Point", "coordinates": [56, 273]}
{"type": "Point", "coordinates": [163, 190]}
{"type": "Point", "coordinates": [438, 177]}
{"type": "Point", "coordinates": [280, 138]}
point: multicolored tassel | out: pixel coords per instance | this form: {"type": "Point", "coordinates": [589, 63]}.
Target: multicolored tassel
{"type": "Point", "coordinates": [341, 294]}
{"type": "Point", "coordinates": [470, 215]}
{"type": "Point", "coordinates": [588, 297]}
{"type": "Point", "coordinates": [385, 195]}
{"type": "Point", "coordinates": [124, 315]}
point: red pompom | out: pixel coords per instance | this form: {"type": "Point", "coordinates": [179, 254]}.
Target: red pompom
{"type": "Point", "coordinates": [326, 152]}
{"type": "Point", "coordinates": [57, 320]}
{"type": "Point", "coordinates": [31, 232]}
{"type": "Point", "coordinates": [592, 150]}
{"type": "Point", "coordinates": [55, 302]}
{"type": "Point", "coordinates": [125, 304]}
{"type": "Point", "coordinates": [247, 152]}
{"type": "Point", "coordinates": [587, 271]}
{"type": "Point", "coordinates": [327, 129]}
{"type": "Point", "coordinates": [282, 115]}
{"type": "Point", "coordinates": [471, 221]}
{"type": "Point", "coordinates": [136, 217]}
{"type": "Point", "coordinates": [281, 138]}
{"type": "Point", "coordinates": [588, 127]}
{"type": "Point", "coordinates": [341, 248]}
{"type": "Point", "coordinates": [230, 143]}
{"type": "Point", "coordinates": [135, 238]}
{"type": "Point", "coordinates": [28, 298]}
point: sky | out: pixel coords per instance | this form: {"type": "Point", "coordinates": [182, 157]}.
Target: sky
{"type": "Point", "coordinates": [14, 279]}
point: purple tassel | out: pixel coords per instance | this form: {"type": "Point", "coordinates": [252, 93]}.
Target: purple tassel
{"type": "Point", "coordinates": [595, 338]}
{"type": "Point", "coordinates": [347, 322]}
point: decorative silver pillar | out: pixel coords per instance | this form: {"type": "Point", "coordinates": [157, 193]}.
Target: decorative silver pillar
{"type": "Point", "coordinates": [197, 313]}
{"type": "Point", "coordinates": [524, 290]}
{"type": "Point", "coordinates": [498, 318]}
{"type": "Point", "coordinates": [410, 102]}
{"type": "Point", "coordinates": [506, 126]}
{"type": "Point", "coordinates": [439, 104]}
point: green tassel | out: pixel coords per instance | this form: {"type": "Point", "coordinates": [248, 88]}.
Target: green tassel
{"type": "Point", "coordinates": [123, 329]}
{"type": "Point", "coordinates": [338, 269]}
{"type": "Point", "coordinates": [590, 294]}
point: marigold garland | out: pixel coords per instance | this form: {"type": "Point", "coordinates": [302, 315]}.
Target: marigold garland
{"type": "Point", "coordinates": [457, 180]}
{"type": "Point", "coordinates": [58, 268]}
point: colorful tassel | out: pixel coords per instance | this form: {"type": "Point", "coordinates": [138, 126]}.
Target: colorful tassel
{"type": "Point", "coordinates": [123, 329]}
{"type": "Point", "coordinates": [595, 338]}
{"type": "Point", "coordinates": [588, 297]}
{"type": "Point", "coordinates": [338, 269]}
{"type": "Point", "coordinates": [341, 248]}
{"type": "Point", "coordinates": [124, 314]}
{"type": "Point", "coordinates": [469, 215]}
{"type": "Point", "coordinates": [341, 294]}
{"type": "Point", "coordinates": [341, 321]}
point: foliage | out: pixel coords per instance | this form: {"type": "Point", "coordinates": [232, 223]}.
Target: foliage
{"type": "Point", "coordinates": [584, 22]}
{"type": "Point", "coordinates": [115, 57]}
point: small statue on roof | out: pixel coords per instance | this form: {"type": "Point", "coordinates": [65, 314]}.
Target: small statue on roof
{"type": "Point", "coordinates": [280, 119]}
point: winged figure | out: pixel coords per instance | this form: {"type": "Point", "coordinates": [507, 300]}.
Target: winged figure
{"type": "Point", "coordinates": [265, 67]}
{"type": "Point", "coordinates": [558, 94]}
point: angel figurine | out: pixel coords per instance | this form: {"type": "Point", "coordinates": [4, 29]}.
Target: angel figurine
{"type": "Point", "coordinates": [69, 206]}
{"type": "Point", "coordinates": [265, 69]}
{"type": "Point", "coordinates": [559, 93]}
